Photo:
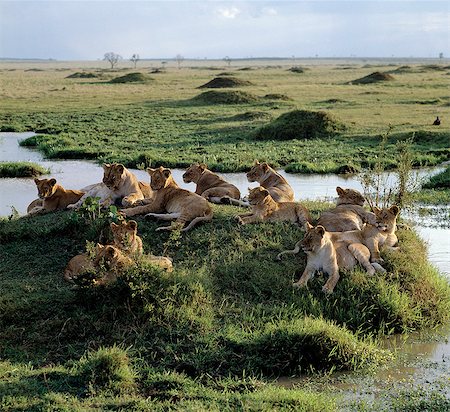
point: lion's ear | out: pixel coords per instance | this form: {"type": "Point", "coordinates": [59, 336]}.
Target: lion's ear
{"type": "Point", "coordinates": [166, 173]}
{"type": "Point", "coordinates": [132, 224]}
{"type": "Point", "coordinates": [113, 225]}
{"type": "Point", "coordinates": [265, 166]}
{"type": "Point", "coordinates": [52, 182]}
{"type": "Point", "coordinates": [36, 180]}
{"type": "Point", "coordinates": [340, 191]}
{"type": "Point", "coordinates": [202, 166]}
{"type": "Point", "coordinates": [320, 230]}
{"type": "Point", "coordinates": [150, 171]}
{"type": "Point", "coordinates": [256, 162]}
{"type": "Point", "coordinates": [376, 209]}
{"type": "Point", "coordinates": [106, 166]}
{"type": "Point", "coordinates": [394, 209]}
{"type": "Point", "coordinates": [99, 247]}
{"type": "Point", "coordinates": [120, 168]}
{"type": "Point", "coordinates": [110, 251]}
{"type": "Point", "coordinates": [265, 192]}
{"type": "Point", "coordinates": [308, 226]}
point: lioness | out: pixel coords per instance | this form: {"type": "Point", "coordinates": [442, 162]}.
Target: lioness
{"type": "Point", "coordinates": [53, 196]}
{"type": "Point", "coordinates": [268, 178]}
{"type": "Point", "coordinates": [105, 196]}
{"type": "Point", "coordinates": [171, 202]}
{"type": "Point", "coordinates": [264, 208]}
{"type": "Point", "coordinates": [211, 186]}
{"type": "Point", "coordinates": [327, 252]}
{"type": "Point", "coordinates": [349, 213]}
{"type": "Point", "coordinates": [124, 184]}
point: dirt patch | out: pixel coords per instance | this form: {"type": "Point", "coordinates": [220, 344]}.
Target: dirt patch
{"type": "Point", "coordinates": [132, 78]}
{"type": "Point", "coordinates": [300, 124]}
{"type": "Point", "coordinates": [82, 75]}
{"type": "Point", "coordinates": [374, 77]}
{"type": "Point", "coordinates": [226, 97]}
{"type": "Point", "coordinates": [225, 82]}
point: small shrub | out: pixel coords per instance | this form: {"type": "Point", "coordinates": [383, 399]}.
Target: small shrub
{"type": "Point", "coordinates": [300, 124]}
{"type": "Point", "coordinates": [228, 97]}
{"type": "Point", "coordinates": [82, 75]}
{"type": "Point", "coordinates": [225, 82]}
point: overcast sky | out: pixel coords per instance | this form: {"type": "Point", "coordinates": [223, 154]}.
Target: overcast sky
{"type": "Point", "coordinates": [86, 30]}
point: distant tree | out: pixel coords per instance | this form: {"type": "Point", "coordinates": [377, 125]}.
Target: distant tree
{"type": "Point", "coordinates": [441, 55]}
{"type": "Point", "coordinates": [227, 60]}
{"type": "Point", "coordinates": [112, 58]}
{"type": "Point", "coordinates": [135, 59]}
{"type": "Point", "coordinates": [179, 58]}
{"type": "Point", "coordinates": [163, 65]}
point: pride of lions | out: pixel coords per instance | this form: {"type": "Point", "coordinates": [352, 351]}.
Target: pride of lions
{"type": "Point", "coordinates": [342, 238]}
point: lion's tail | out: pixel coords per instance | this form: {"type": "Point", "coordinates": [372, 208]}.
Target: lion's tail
{"type": "Point", "coordinates": [198, 219]}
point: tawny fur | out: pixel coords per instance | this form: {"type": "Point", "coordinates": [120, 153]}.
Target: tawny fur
{"type": "Point", "coordinates": [53, 196]}
{"type": "Point", "coordinates": [265, 209]}
{"type": "Point", "coordinates": [170, 202]}
{"type": "Point", "coordinates": [126, 238]}
{"type": "Point", "coordinates": [349, 213]}
{"type": "Point", "coordinates": [277, 185]}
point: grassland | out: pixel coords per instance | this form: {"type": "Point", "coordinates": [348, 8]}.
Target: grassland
{"type": "Point", "coordinates": [169, 121]}
{"type": "Point", "coordinates": [211, 335]}
{"type": "Point", "coordinates": [21, 169]}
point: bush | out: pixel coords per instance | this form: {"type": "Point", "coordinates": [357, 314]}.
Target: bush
{"type": "Point", "coordinates": [224, 82]}
{"type": "Point", "coordinates": [300, 124]}
{"type": "Point", "coordinates": [229, 97]}
{"type": "Point", "coordinates": [132, 78]}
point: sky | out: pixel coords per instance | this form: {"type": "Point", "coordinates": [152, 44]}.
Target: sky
{"type": "Point", "coordinates": [86, 30]}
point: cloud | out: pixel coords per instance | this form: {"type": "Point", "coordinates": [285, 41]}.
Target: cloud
{"type": "Point", "coordinates": [269, 11]}
{"type": "Point", "coordinates": [229, 12]}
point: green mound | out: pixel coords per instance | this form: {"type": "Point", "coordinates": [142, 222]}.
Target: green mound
{"type": "Point", "coordinates": [300, 124]}
{"type": "Point", "coordinates": [226, 97]}
{"type": "Point", "coordinates": [132, 78]}
{"type": "Point", "coordinates": [225, 82]}
{"type": "Point", "coordinates": [277, 96]}
{"type": "Point", "coordinates": [374, 77]}
{"type": "Point", "coordinates": [82, 75]}
{"type": "Point", "coordinates": [248, 116]}
{"type": "Point", "coordinates": [21, 169]}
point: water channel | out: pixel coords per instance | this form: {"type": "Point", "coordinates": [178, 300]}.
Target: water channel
{"type": "Point", "coordinates": [424, 358]}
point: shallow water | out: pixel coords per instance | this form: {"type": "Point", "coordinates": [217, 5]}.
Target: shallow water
{"type": "Point", "coordinates": [423, 359]}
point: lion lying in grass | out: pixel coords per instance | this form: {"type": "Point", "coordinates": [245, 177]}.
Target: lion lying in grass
{"type": "Point", "coordinates": [211, 186]}
{"type": "Point", "coordinates": [265, 209]}
{"type": "Point", "coordinates": [329, 252]}
{"type": "Point", "coordinates": [52, 197]}
{"type": "Point", "coordinates": [349, 213]}
{"type": "Point", "coordinates": [269, 179]}
{"type": "Point", "coordinates": [170, 202]}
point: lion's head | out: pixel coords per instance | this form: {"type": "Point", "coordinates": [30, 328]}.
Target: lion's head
{"type": "Point", "coordinates": [193, 172]}
{"type": "Point", "coordinates": [313, 239]}
{"type": "Point", "coordinates": [45, 187]}
{"type": "Point", "coordinates": [257, 171]}
{"type": "Point", "coordinates": [349, 197]}
{"type": "Point", "coordinates": [124, 233]}
{"type": "Point", "coordinates": [112, 175]}
{"type": "Point", "coordinates": [257, 195]}
{"type": "Point", "coordinates": [159, 178]}
{"type": "Point", "coordinates": [386, 218]}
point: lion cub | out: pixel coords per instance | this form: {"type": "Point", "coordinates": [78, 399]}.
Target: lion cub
{"type": "Point", "coordinates": [265, 209]}
{"type": "Point", "coordinates": [211, 186]}
{"type": "Point", "coordinates": [349, 213]}
{"type": "Point", "coordinates": [54, 197]}
{"type": "Point", "coordinates": [327, 252]}
{"type": "Point", "coordinates": [170, 202]}
{"type": "Point", "coordinates": [269, 179]}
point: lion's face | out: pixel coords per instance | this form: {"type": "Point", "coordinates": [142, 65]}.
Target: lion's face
{"type": "Point", "coordinates": [105, 255]}
{"type": "Point", "coordinates": [257, 195]}
{"type": "Point", "coordinates": [112, 175]}
{"type": "Point", "coordinates": [193, 173]}
{"type": "Point", "coordinates": [159, 177]}
{"type": "Point", "coordinates": [257, 172]}
{"type": "Point", "coordinates": [386, 218]}
{"type": "Point", "coordinates": [350, 196]}
{"type": "Point", "coordinates": [313, 239]}
{"type": "Point", "coordinates": [45, 187]}
{"type": "Point", "coordinates": [124, 233]}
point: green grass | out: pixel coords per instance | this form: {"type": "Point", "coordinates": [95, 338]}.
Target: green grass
{"type": "Point", "coordinates": [439, 181]}
{"type": "Point", "coordinates": [207, 336]}
{"type": "Point", "coordinates": [21, 169]}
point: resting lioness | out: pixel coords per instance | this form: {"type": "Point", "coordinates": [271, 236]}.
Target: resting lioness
{"type": "Point", "coordinates": [170, 202]}
{"type": "Point", "coordinates": [124, 184]}
{"type": "Point", "coordinates": [268, 178]}
{"type": "Point", "coordinates": [53, 196]}
{"type": "Point", "coordinates": [349, 213]}
{"type": "Point", "coordinates": [327, 252]}
{"type": "Point", "coordinates": [211, 186]}
{"type": "Point", "coordinates": [264, 208]}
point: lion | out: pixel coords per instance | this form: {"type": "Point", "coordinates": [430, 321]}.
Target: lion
{"type": "Point", "coordinates": [211, 186]}
{"type": "Point", "coordinates": [105, 196]}
{"type": "Point", "coordinates": [53, 197]}
{"type": "Point", "coordinates": [111, 262]}
{"type": "Point", "coordinates": [171, 202]}
{"type": "Point", "coordinates": [327, 252]}
{"type": "Point", "coordinates": [349, 213]}
{"type": "Point", "coordinates": [265, 209]}
{"type": "Point", "coordinates": [125, 185]}
{"type": "Point", "coordinates": [126, 238]}
{"type": "Point", "coordinates": [82, 264]}
{"type": "Point", "coordinates": [277, 185]}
